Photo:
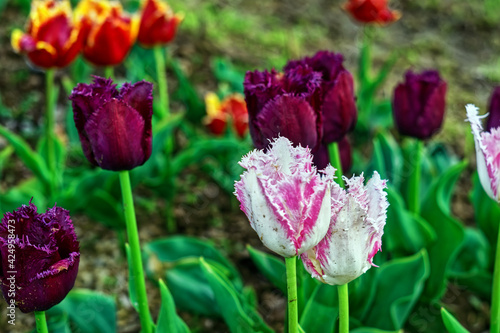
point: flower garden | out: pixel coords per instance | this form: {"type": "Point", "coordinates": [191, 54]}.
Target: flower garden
{"type": "Point", "coordinates": [232, 166]}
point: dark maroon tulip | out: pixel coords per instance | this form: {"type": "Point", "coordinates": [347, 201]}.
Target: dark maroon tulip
{"type": "Point", "coordinates": [338, 104]}
{"type": "Point", "coordinates": [114, 126]}
{"type": "Point", "coordinates": [494, 110]}
{"type": "Point", "coordinates": [284, 104]}
{"type": "Point", "coordinates": [419, 104]}
{"type": "Point", "coordinates": [39, 257]}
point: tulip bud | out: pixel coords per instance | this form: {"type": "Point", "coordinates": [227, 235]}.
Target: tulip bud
{"type": "Point", "coordinates": [53, 38]}
{"type": "Point", "coordinates": [487, 153]}
{"type": "Point", "coordinates": [285, 199]}
{"type": "Point", "coordinates": [114, 126]}
{"type": "Point", "coordinates": [354, 235]}
{"type": "Point", "coordinates": [39, 257]}
{"type": "Point", "coordinates": [338, 104]}
{"type": "Point", "coordinates": [494, 110]}
{"type": "Point", "coordinates": [419, 104]}
{"type": "Point", "coordinates": [232, 108]}
{"type": "Point", "coordinates": [284, 104]}
{"type": "Point", "coordinates": [371, 11]}
{"type": "Point", "coordinates": [110, 33]}
{"type": "Point", "coordinates": [158, 23]}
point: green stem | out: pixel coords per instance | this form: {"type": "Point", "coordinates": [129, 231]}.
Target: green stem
{"type": "Point", "coordinates": [414, 185]}
{"type": "Point", "coordinates": [343, 308]}
{"type": "Point", "coordinates": [161, 73]}
{"type": "Point", "coordinates": [41, 322]}
{"type": "Point", "coordinates": [336, 162]}
{"type": "Point", "coordinates": [291, 286]}
{"type": "Point", "coordinates": [109, 72]}
{"type": "Point", "coordinates": [495, 297]}
{"type": "Point", "coordinates": [50, 130]}
{"type": "Point", "coordinates": [135, 251]}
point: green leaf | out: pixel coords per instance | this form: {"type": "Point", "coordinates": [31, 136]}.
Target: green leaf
{"type": "Point", "coordinates": [4, 156]}
{"type": "Point", "coordinates": [323, 303]}
{"type": "Point", "coordinates": [486, 212]}
{"type": "Point", "coordinates": [372, 330]}
{"type": "Point", "coordinates": [103, 208]}
{"type": "Point", "coordinates": [452, 325]}
{"type": "Point", "coordinates": [187, 94]}
{"type": "Point", "coordinates": [224, 71]}
{"type": "Point", "coordinates": [30, 158]}
{"type": "Point", "coordinates": [272, 268]}
{"type": "Point", "coordinates": [237, 316]}
{"type": "Point", "coordinates": [449, 231]}
{"type": "Point", "coordinates": [395, 301]}
{"type": "Point", "coordinates": [91, 312]}
{"type": "Point", "coordinates": [168, 320]}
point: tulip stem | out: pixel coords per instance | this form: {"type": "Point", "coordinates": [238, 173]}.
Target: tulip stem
{"type": "Point", "coordinates": [109, 72]}
{"type": "Point", "coordinates": [414, 185]}
{"type": "Point", "coordinates": [495, 297]}
{"type": "Point", "coordinates": [291, 286]}
{"type": "Point", "coordinates": [343, 308]}
{"type": "Point", "coordinates": [336, 162]}
{"type": "Point", "coordinates": [41, 322]}
{"type": "Point", "coordinates": [50, 130]}
{"type": "Point", "coordinates": [161, 73]}
{"type": "Point", "coordinates": [135, 252]}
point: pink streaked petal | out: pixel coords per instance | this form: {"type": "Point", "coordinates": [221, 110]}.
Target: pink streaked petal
{"type": "Point", "coordinates": [491, 142]}
{"type": "Point", "coordinates": [485, 168]}
{"type": "Point", "coordinates": [262, 219]}
{"type": "Point", "coordinates": [377, 212]}
{"type": "Point", "coordinates": [311, 264]}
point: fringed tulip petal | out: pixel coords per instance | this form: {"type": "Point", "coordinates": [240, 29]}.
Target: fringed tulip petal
{"type": "Point", "coordinates": [286, 201]}
{"type": "Point", "coordinates": [487, 153]}
{"type": "Point", "coordinates": [47, 257]}
{"type": "Point", "coordinates": [354, 235]}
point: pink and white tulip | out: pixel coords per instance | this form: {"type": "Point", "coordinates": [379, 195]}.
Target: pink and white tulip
{"type": "Point", "coordinates": [286, 200]}
{"type": "Point", "coordinates": [354, 235]}
{"type": "Point", "coordinates": [487, 153]}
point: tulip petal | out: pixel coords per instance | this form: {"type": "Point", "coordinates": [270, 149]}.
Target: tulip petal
{"type": "Point", "coordinates": [108, 130]}
{"type": "Point", "coordinates": [494, 110]}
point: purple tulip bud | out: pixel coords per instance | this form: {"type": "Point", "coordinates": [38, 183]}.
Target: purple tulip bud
{"type": "Point", "coordinates": [39, 257]}
{"type": "Point", "coordinates": [419, 104]}
{"type": "Point", "coordinates": [338, 104]}
{"type": "Point", "coordinates": [494, 110]}
{"type": "Point", "coordinates": [114, 126]}
{"type": "Point", "coordinates": [354, 235]}
{"type": "Point", "coordinates": [284, 104]}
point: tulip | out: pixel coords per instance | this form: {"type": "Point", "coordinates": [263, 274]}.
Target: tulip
{"type": "Point", "coordinates": [371, 11]}
{"type": "Point", "coordinates": [114, 126]}
{"type": "Point", "coordinates": [494, 110]}
{"type": "Point", "coordinates": [286, 201]}
{"type": "Point", "coordinates": [39, 256]}
{"type": "Point", "coordinates": [52, 38]}
{"type": "Point", "coordinates": [110, 33]}
{"type": "Point", "coordinates": [158, 23]}
{"type": "Point", "coordinates": [354, 235]}
{"type": "Point", "coordinates": [232, 108]}
{"type": "Point", "coordinates": [487, 153]}
{"type": "Point", "coordinates": [419, 104]}
{"type": "Point", "coordinates": [285, 104]}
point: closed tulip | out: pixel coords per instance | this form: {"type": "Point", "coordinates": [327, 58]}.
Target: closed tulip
{"type": "Point", "coordinates": [419, 104]}
{"type": "Point", "coordinates": [494, 110]}
{"type": "Point", "coordinates": [287, 202]}
{"type": "Point", "coordinates": [231, 109]}
{"type": "Point", "coordinates": [52, 38]}
{"type": "Point", "coordinates": [354, 235]}
{"type": "Point", "coordinates": [39, 257]}
{"type": "Point", "coordinates": [114, 125]}
{"type": "Point", "coordinates": [158, 23]}
{"type": "Point", "coordinates": [110, 32]}
{"type": "Point", "coordinates": [371, 11]}
{"type": "Point", "coordinates": [487, 153]}
{"type": "Point", "coordinates": [286, 104]}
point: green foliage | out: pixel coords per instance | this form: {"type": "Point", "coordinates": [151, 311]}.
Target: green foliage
{"type": "Point", "coordinates": [168, 320]}
{"type": "Point", "coordinates": [323, 303]}
{"type": "Point", "coordinates": [272, 268]}
{"type": "Point", "coordinates": [452, 325]}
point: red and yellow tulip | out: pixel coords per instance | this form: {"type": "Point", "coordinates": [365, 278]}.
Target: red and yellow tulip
{"type": "Point", "coordinates": [232, 108]}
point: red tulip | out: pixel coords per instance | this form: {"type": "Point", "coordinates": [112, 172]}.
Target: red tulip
{"type": "Point", "coordinates": [52, 38]}
{"type": "Point", "coordinates": [371, 11]}
{"type": "Point", "coordinates": [158, 23]}
{"type": "Point", "coordinates": [232, 108]}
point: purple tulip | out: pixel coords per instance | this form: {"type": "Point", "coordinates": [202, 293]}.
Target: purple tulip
{"type": "Point", "coordinates": [114, 126]}
{"type": "Point", "coordinates": [284, 104]}
{"type": "Point", "coordinates": [338, 104]}
{"type": "Point", "coordinates": [494, 110]}
{"type": "Point", "coordinates": [419, 104]}
{"type": "Point", "coordinates": [39, 257]}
